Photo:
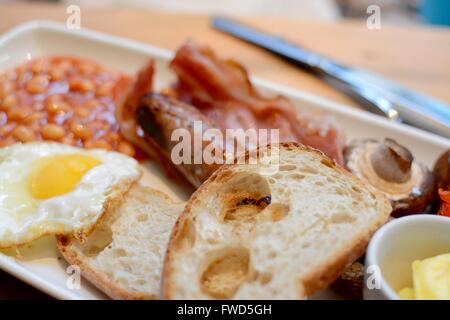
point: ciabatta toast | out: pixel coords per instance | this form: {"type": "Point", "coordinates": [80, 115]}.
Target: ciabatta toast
{"type": "Point", "coordinates": [246, 234]}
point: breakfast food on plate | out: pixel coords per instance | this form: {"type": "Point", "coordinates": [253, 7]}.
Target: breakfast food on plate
{"type": "Point", "coordinates": [219, 93]}
{"type": "Point", "coordinates": [158, 117]}
{"type": "Point", "coordinates": [248, 234]}
{"type": "Point", "coordinates": [350, 282]}
{"type": "Point", "coordinates": [123, 255]}
{"type": "Point", "coordinates": [431, 279]}
{"type": "Point", "coordinates": [441, 173]}
{"type": "Point", "coordinates": [221, 89]}
{"type": "Point", "coordinates": [62, 99]}
{"type": "Point", "coordinates": [390, 167]}
{"type": "Point", "coordinates": [49, 188]}
{"type": "Point", "coordinates": [126, 107]}
{"type": "Point", "coordinates": [444, 209]}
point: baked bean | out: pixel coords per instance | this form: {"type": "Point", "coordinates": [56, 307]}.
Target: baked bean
{"type": "Point", "coordinates": [57, 106]}
{"type": "Point", "coordinates": [91, 104]}
{"type": "Point", "coordinates": [23, 134]}
{"type": "Point", "coordinates": [23, 78]}
{"type": "Point", "coordinates": [53, 132]}
{"type": "Point", "coordinates": [126, 148]}
{"type": "Point", "coordinates": [64, 65]}
{"type": "Point", "coordinates": [105, 88]}
{"type": "Point", "coordinates": [37, 106]}
{"type": "Point", "coordinates": [69, 140]}
{"type": "Point", "coordinates": [22, 68]}
{"type": "Point", "coordinates": [86, 67]}
{"type": "Point", "coordinates": [35, 117]}
{"type": "Point", "coordinates": [100, 144]}
{"type": "Point", "coordinates": [81, 131]}
{"type": "Point", "coordinates": [98, 123]}
{"type": "Point", "coordinates": [5, 88]}
{"type": "Point", "coordinates": [82, 120]}
{"type": "Point", "coordinates": [9, 102]}
{"type": "Point", "coordinates": [114, 136]}
{"type": "Point", "coordinates": [56, 73]}
{"type": "Point", "coordinates": [83, 85]}
{"type": "Point", "coordinates": [81, 112]}
{"type": "Point", "coordinates": [55, 98]}
{"type": "Point", "coordinates": [39, 66]}
{"type": "Point", "coordinates": [19, 114]}
{"type": "Point", "coordinates": [37, 84]}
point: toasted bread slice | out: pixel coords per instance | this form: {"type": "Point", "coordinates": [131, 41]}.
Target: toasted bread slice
{"type": "Point", "coordinates": [123, 255]}
{"type": "Point", "coordinates": [249, 234]}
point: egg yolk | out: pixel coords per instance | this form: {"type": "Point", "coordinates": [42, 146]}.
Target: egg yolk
{"type": "Point", "coordinates": [56, 175]}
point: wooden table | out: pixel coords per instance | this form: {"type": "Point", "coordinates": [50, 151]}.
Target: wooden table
{"type": "Point", "coordinates": [415, 56]}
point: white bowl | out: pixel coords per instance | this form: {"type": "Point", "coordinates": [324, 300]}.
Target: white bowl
{"type": "Point", "coordinates": [395, 246]}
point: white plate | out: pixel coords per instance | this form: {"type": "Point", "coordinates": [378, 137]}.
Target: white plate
{"type": "Point", "coordinates": [41, 265]}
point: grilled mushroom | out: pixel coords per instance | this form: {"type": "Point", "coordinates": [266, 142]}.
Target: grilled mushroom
{"type": "Point", "coordinates": [442, 171]}
{"type": "Point", "coordinates": [350, 282]}
{"type": "Point", "coordinates": [390, 168]}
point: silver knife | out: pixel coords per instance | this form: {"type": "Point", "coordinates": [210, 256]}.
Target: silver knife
{"type": "Point", "coordinates": [374, 92]}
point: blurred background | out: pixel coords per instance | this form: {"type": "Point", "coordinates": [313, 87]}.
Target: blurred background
{"type": "Point", "coordinates": [393, 11]}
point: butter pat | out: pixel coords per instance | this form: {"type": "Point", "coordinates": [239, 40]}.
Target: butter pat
{"type": "Point", "coordinates": [407, 294]}
{"type": "Point", "coordinates": [431, 279]}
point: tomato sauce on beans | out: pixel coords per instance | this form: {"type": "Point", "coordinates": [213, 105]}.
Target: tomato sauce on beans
{"type": "Point", "coordinates": [64, 99]}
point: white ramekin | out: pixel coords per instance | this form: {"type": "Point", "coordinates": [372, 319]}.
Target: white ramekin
{"type": "Point", "coordinates": [395, 246]}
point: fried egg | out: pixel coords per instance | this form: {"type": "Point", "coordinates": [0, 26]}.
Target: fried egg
{"type": "Point", "coordinates": [50, 188]}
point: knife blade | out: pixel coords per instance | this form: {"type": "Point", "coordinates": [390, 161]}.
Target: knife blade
{"type": "Point", "coordinates": [374, 92]}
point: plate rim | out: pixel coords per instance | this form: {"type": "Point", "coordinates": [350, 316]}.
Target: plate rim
{"type": "Point", "coordinates": [14, 268]}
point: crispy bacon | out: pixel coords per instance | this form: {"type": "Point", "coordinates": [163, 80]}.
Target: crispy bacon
{"type": "Point", "coordinates": [218, 93]}
{"type": "Point", "coordinates": [128, 104]}
{"type": "Point", "coordinates": [222, 91]}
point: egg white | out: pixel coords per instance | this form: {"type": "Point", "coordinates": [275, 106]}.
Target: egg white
{"type": "Point", "coordinates": [24, 218]}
